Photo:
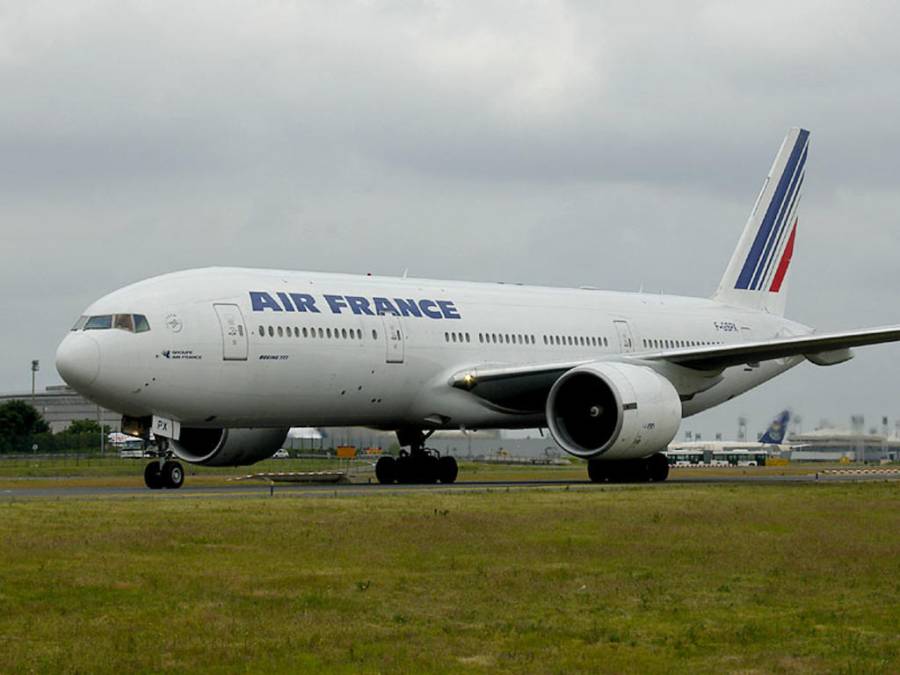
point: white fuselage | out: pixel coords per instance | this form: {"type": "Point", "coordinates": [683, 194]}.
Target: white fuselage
{"type": "Point", "coordinates": [347, 365]}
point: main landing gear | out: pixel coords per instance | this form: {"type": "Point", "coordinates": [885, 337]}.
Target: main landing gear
{"type": "Point", "coordinates": [418, 465]}
{"type": "Point", "coordinates": [654, 468]}
{"type": "Point", "coordinates": [164, 472]}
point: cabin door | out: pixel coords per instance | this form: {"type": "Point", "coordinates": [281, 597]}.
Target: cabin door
{"type": "Point", "coordinates": [393, 335]}
{"type": "Point", "coordinates": [234, 332]}
{"type": "Point", "coordinates": [626, 341]}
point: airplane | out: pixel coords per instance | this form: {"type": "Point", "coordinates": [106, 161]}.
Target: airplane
{"type": "Point", "coordinates": [218, 363]}
{"type": "Point", "coordinates": [772, 438]}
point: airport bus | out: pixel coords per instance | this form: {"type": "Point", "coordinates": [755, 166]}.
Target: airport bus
{"type": "Point", "coordinates": [685, 457]}
{"type": "Point", "coordinates": [698, 457]}
{"type": "Point", "coordinates": [740, 457]}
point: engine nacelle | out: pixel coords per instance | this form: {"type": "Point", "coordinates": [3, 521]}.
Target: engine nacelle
{"type": "Point", "coordinates": [227, 447]}
{"type": "Point", "coordinates": [613, 411]}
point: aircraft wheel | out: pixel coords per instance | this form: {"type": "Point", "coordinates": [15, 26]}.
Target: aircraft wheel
{"type": "Point", "coordinates": [628, 471]}
{"type": "Point", "coordinates": [152, 477]}
{"type": "Point", "coordinates": [172, 475]}
{"type": "Point", "coordinates": [658, 467]}
{"type": "Point", "coordinates": [448, 469]}
{"type": "Point", "coordinates": [640, 472]}
{"type": "Point", "coordinates": [429, 469]}
{"type": "Point", "coordinates": [386, 470]}
{"type": "Point", "coordinates": [597, 471]}
{"type": "Point", "coordinates": [405, 469]}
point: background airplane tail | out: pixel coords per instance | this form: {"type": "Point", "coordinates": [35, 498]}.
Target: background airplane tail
{"type": "Point", "coordinates": [756, 275]}
{"type": "Point", "coordinates": [776, 432]}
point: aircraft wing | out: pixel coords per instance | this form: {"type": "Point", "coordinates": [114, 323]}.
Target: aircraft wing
{"type": "Point", "coordinates": [821, 349]}
{"type": "Point", "coordinates": [525, 387]}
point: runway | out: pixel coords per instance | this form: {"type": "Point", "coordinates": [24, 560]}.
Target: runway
{"type": "Point", "coordinates": [259, 489]}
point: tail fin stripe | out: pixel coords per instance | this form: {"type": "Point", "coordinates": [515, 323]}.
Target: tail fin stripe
{"type": "Point", "coordinates": [771, 230]}
{"type": "Point", "coordinates": [781, 220]}
{"type": "Point", "coordinates": [787, 217]}
{"type": "Point", "coordinates": [752, 262]}
{"type": "Point", "coordinates": [782, 244]}
{"type": "Point", "coordinates": [785, 261]}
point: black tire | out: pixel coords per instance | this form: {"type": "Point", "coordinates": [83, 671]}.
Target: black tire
{"type": "Point", "coordinates": [448, 469]}
{"type": "Point", "coordinates": [152, 477]}
{"type": "Point", "coordinates": [404, 469]}
{"type": "Point", "coordinates": [386, 470]}
{"type": "Point", "coordinates": [429, 469]}
{"type": "Point", "coordinates": [658, 467]}
{"type": "Point", "coordinates": [628, 471]}
{"type": "Point", "coordinates": [172, 475]}
{"type": "Point", "coordinates": [637, 472]}
{"type": "Point", "coordinates": [597, 471]}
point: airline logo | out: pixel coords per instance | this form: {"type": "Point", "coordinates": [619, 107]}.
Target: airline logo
{"type": "Point", "coordinates": [770, 254]}
{"type": "Point", "coordinates": [261, 301]}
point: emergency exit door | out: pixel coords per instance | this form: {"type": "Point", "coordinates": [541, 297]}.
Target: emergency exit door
{"type": "Point", "coordinates": [234, 333]}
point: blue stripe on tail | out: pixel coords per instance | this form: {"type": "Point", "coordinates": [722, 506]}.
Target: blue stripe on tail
{"type": "Point", "coordinates": [752, 263]}
{"type": "Point", "coordinates": [782, 218]}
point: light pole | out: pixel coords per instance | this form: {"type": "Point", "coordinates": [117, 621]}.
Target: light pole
{"type": "Point", "coordinates": [35, 366]}
{"type": "Point", "coordinates": [859, 425]}
{"type": "Point", "coordinates": [100, 423]}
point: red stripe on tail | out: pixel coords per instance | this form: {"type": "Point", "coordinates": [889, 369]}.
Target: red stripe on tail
{"type": "Point", "coordinates": [785, 262]}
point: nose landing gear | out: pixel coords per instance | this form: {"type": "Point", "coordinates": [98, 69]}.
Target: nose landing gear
{"type": "Point", "coordinates": [164, 472]}
{"type": "Point", "coordinates": [418, 465]}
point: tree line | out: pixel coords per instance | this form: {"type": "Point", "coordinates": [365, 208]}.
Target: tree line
{"type": "Point", "coordinates": [22, 427]}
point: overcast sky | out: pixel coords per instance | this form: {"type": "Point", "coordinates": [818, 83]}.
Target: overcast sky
{"type": "Point", "coordinates": [613, 144]}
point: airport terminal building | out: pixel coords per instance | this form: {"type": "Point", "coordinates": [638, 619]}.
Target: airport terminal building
{"type": "Point", "coordinates": [835, 445]}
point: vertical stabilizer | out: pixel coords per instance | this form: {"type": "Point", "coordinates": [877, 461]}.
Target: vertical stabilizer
{"type": "Point", "coordinates": [757, 274]}
{"type": "Point", "coordinates": [777, 430]}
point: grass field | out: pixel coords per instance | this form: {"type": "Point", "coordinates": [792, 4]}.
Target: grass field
{"type": "Point", "coordinates": [790, 578]}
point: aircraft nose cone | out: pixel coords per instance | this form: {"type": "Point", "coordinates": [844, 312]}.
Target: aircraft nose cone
{"type": "Point", "coordinates": [78, 360]}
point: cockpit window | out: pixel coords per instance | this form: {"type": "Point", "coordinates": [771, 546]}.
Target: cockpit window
{"type": "Point", "coordinates": [133, 323]}
{"type": "Point", "coordinates": [101, 322]}
{"type": "Point", "coordinates": [124, 322]}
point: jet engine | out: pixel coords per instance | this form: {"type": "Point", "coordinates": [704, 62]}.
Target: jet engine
{"type": "Point", "coordinates": [227, 447]}
{"type": "Point", "coordinates": [613, 411]}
